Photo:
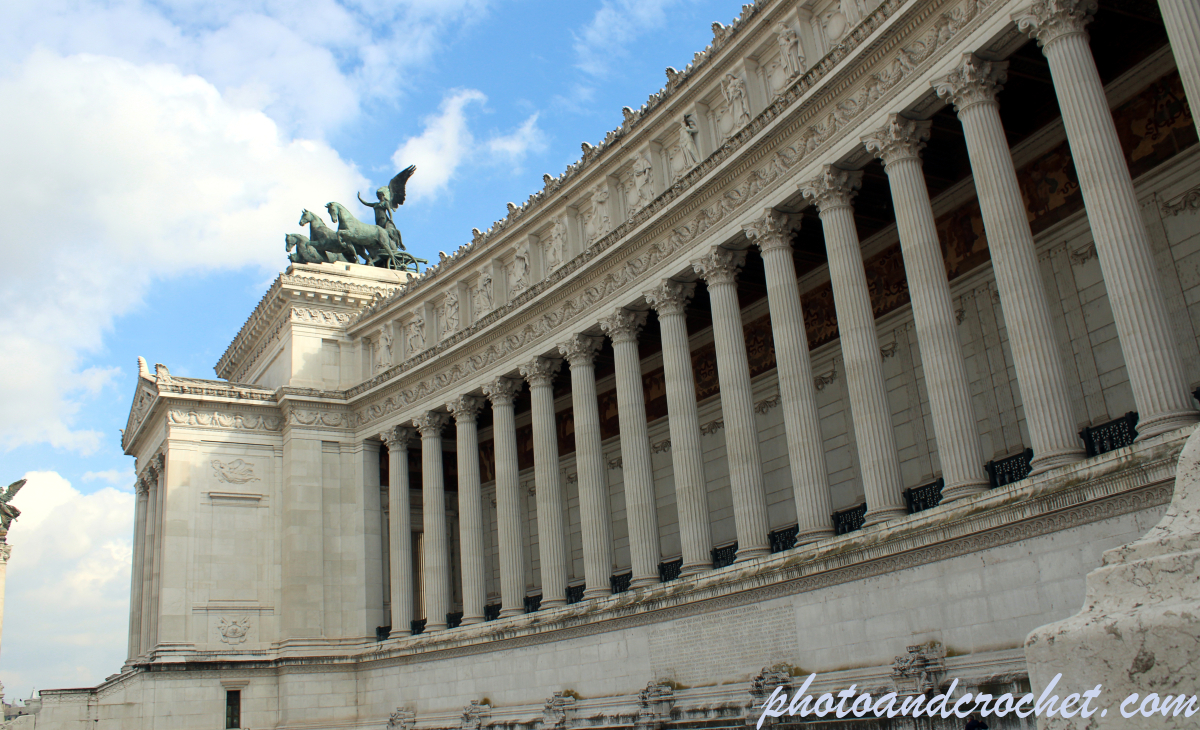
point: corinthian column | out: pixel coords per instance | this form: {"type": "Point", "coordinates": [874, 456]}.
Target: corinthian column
{"type": "Point", "coordinates": [465, 409]}
{"type": "Point", "coordinates": [552, 528]}
{"type": "Point", "coordinates": [400, 529]}
{"type": "Point", "coordinates": [502, 392]}
{"type": "Point", "coordinates": [1182, 18]}
{"type": "Point", "coordinates": [1122, 242]}
{"type": "Point", "coordinates": [806, 448]}
{"type": "Point", "coordinates": [719, 269]}
{"type": "Point", "coordinates": [899, 144]}
{"type": "Point", "coordinates": [641, 514]}
{"type": "Point", "coordinates": [877, 456]}
{"type": "Point", "coordinates": [433, 508]}
{"type": "Point", "coordinates": [139, 557]}
{"type": "Point", "coordinates": [972, 88]}
{"type": "Point", "coordinates": [670, 300]}
{"type": "Point", "coordinates": [580, 352]}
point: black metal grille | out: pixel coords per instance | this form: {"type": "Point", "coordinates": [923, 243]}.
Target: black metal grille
{"type": "Point", "coordinates": [382, 633]}
{"type": "Point", "coordinates": [418, 626]}
{"type": "Point", "coordinates": [1009, 469]}
{"type": "Point", "coordinates": [723, 556]}
{"type": "Point", "coordinates": [620, 583]}
{"type": "Point", "coordinates": [533, 603]}
{"type": "Point", "coordinates": [491, 612]}
{"type": "Point", "coordinates": [849, 520]}
{"type": "Point", "coordinates": [924, 497]}
{"type": "Point", "coordinates": [783, 539]}
{"type": "Point", "coordinates": [1115, 434]}
{"type": "Point", "coordinates": [670, 570]}
{"type": "Point", "coordinates": [574, 594]}
{"type": "Point", "coordinates": [454, 620]}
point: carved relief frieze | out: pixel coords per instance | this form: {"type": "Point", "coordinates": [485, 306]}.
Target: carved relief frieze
{"type": "Point", "coordinates": [232, 421]}
{"type": "Point", "coordinates": [234, 472]}
{"type": "Point", "coordinates": [314, 418]}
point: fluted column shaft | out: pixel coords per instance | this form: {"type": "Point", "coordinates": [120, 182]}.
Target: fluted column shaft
{"type": "Point", "coordinates": [136, 580]}
{"type": "Point", "coordinates": [972, 89]}
{"type": "Point", "coordinates": [1182, 19]}
{"type": "Point", "coordinates": [400, 530]}
{"type": "Point", "coordinates": [641, 513]}
{"type": "Point", "coordinates": [436, 544]}
{"type": "Point", "coordinates": [552, 528]}
{"type": "Point", "coordinates": [502, 391]}
{"type": "Point", "coordinates": [719, 269]}
{"type": "Point", "coordinates": [899, 145]}
{"type": "Point", "coordinates": [798, 396]}
{"type": "Point", "coordinates": [579, 351]}
{"type": "Point", "coordinates": [877, 456]}
{"type": "Point", "coordinates": [470, 507]}
{"type": "Point", "coordinates": [151, 540]}
{"type": "Point", "coordinates": [1160, 387]}
{"type": "Point", "coordinates": [669, 299]}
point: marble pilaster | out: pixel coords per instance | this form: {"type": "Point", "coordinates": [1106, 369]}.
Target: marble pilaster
{"type": "Point", "coordinates": [972, 88]}
{"type": "Point", "coordinates": [877, 456]}
{"type": "Point", "coordinates": [552, 529]}
{"type": "Point", "coordinates": [669, 300]}
{"type": "Point", "coordinates": [465, 409]}
{"type": "Point", "coordinates": [1160, 386]}
{"type": "Point", "coordinates": [436, 563]}
{"type": "Point", "coordinates": [502, 392]}
{"type": "Point", "coordinates": [580, 352]}
{"type": "Point", "coordinates": [798, 396]}
{"type": "Point", "coordinates": [400, 563]}
{"type": "Point", "coordinates": [641, 514]}
{"type": "Point", "coordinates": [719, 269]}
{"type": "Point", "coordinates": [898, 144]}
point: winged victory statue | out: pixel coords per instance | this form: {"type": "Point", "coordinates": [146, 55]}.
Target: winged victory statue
{"type": "Point", "coordinates": [8, 512]}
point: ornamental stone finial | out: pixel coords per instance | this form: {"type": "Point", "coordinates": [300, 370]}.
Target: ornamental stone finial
{"type": "Point", "coordinates": [398, 437]}
{"type": "Point", "coordinates": [502, 391]}
{"type": "Point", "coordinates": [835, 188]}
{"type": "Point", "coordinates": [465, 408]}
{"type": "Point", "coordinates": [975, 81]}
{"type": "Point", "coordinates": [720, 266]}
{"type": "Point", "coordinates": [772, 230]}
{"type": "Point", "coordinates": [1049, 20]}
{"type": "Point", "coordinates": [898, 139]}
{"type": "Point", "coordinates": [431, 423]}
{"type": "Point", "coordinates": [623, 325]}
{"type": "Point", "coordinates": [580, 350]}
{"type": "Point", "coordinates": [670, 297]}
{"type": "Point", "coordinates": [540, 371]}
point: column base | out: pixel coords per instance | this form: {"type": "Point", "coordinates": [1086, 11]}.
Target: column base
{"type": "Point", "coordinates": [471, 620]}
{"type": "Point", "coordinates": [810, 535]}
{"type": "Point", "coordinates": [962, 491]}
{"type": "Point", "coordinates": [430, 628]}
{"type": "Point", "coordinates": [1149, 427]}
{"type": "Point", "coordinates": [751, 553]}
{"type": "Point", "coordinates": [597, 593]}
{"type": "Point", "coordinates": [1054, 460]}
{"type": "Point", "coordinates": [695, 569]}
{"type": "Point", "coordinates": [553, 603]}
{"type": "Point", "coordinates": [509, 612]}
{"type": "Point", "coordinates": [644, 582]}
{"type": "Point", "coordinates": [400, 634]}
{"type": "Point", "coordinates": [874, 517]}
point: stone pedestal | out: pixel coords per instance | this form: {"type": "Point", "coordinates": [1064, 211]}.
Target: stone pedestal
{"type": "Point", "coordinates": [1139, 630]}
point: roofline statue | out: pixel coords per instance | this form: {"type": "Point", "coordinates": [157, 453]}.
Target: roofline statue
{"type": "Point", "coordinates": [8, 512]}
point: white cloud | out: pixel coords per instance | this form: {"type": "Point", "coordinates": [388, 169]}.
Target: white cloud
{"type": "Point", "coordinates": [124, 173]}
{"type": "Point", "coordinates": [67, 589]}
{"type": "Point", "coordinates": [614, 26]}
{"type": "Point", "coordinates": [446, 143]}
{"type": "Point", "coordinates": [120, 478]}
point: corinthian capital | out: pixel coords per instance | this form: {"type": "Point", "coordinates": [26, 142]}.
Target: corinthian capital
{"type": "Point", "coordinates": [397, 438]}
{"type": "Point", "coordinates": [540, 372]}
{"type": "Point", "coordinates": [431, 424]}
{"type": "Point", "coordinates": [835, 188]}
{"type": "Point", "coordinates": [623, 325]}
{"type": "Point", "coordinates": [720, 266]}
{"type": "Point", "coordinates": [670, 297]}
{"type": "Point", "coordinates": [465, 408]}
{"type": "Point", "coordinates": [899, 139]}
{"type": "Point", "coordinates": [772, 230]}
{"type": "Point", "coordinates": [1049, 20]}
{"type": "Point", "coordinates": [580, 349]}
{"type": "Point", "coordinates": [974, 81]}
{"type": "Point", "coordinates": [502, 391]}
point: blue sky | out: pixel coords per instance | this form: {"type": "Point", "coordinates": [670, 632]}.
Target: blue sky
{"type": "Point", "coordinates": [155, 154]}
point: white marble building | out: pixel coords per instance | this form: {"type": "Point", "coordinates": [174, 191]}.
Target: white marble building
{"type": "Point", "coordinates": [672, 432]}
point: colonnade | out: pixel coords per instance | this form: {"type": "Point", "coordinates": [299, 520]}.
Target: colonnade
{"type": "Point", "coordinates": [1157, 378]}
{"type": "Point", "coordinates": [147, 558]}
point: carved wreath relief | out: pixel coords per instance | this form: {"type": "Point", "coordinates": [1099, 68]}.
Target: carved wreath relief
{"type": "Point", "coordinates": [234, 472]}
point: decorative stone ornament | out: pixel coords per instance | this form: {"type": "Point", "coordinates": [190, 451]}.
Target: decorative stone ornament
{"type": "Point", "coordinates": [919, 670]}
{"type": "Point", "coordinates": [835, 188]}
{"type": "Point", "coordinates": [1049, 20]}
{"type": "Point", "coordinates": [475, 715]}
{"type": "Point", "coordinates": [234, 632]}
{"type": "Point", "coordinates": [558, 711]}
{"type": "Point", "coordinates": [899, 139]}
{"type": "Point", "coordinates": [974, 81]}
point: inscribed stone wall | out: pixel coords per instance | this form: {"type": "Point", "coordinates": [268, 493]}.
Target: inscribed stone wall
{"type": "Point", "coordinates": [744, 639]}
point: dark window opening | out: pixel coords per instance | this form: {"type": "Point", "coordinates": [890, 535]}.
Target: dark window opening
{"type": "Point", "coordinates": [233, 708]}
